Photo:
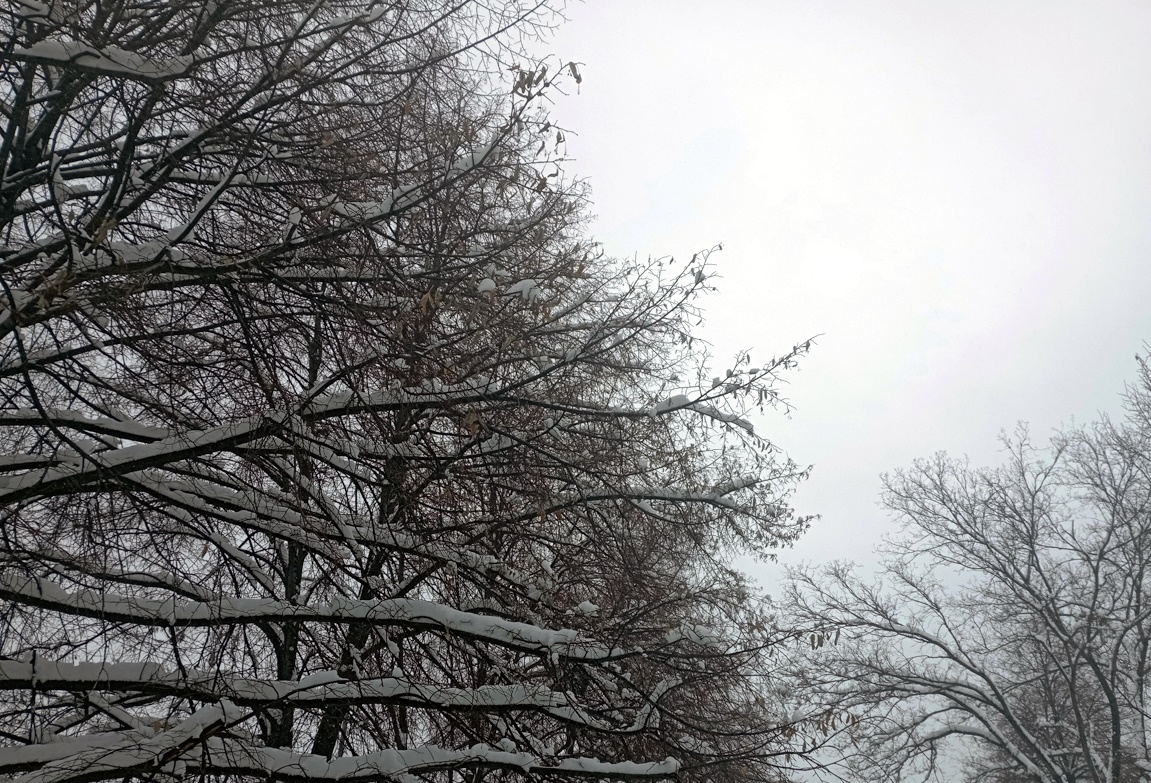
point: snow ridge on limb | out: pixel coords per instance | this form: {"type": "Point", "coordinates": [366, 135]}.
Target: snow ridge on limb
{"type": "Point", "coordinates": [406, 612]}
{"type": "Point", "coordinates": [120, 428]}
{"type": "Point", "coordinates": [314, 690]}
{"type": "Point", "coordinates": [387, 765]}
{"type": "Point", "coordinates": [105, 757]}
{"type": "Point", "coordinates": [109, 60]}
{"type": "Point", "coordinates": [130, 754]}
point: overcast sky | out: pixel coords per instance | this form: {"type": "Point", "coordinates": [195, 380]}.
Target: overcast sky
{"type": "Point", "coordinates": [954, 194]}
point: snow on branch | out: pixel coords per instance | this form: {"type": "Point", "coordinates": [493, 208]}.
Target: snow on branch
{"type": "Point", "coordinates": [105, 756]}
{"type": "Point", "coordinates": [408, 612]}
{"type": "Point", "coordinates": [110, 60]}
{"type": "Point", "coordinates": [138, 457]}
{"type": "Point", "coordinates": [229, 756]}
{"type": "Point", "coordinates": [119, 428]}
{"type": "Point", "coordinates": [315, 690]}
{"type": "Point", "coordinates": [133, 753]}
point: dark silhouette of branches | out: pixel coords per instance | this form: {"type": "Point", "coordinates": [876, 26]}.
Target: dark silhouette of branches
{"type": "Point", "coordinates": [333, 448]}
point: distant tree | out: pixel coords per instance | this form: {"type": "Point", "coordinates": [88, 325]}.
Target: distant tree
{"type": "Point", "coordinates": [332, 448]}
{"type": "Point", "coordinates": [1012, 621]}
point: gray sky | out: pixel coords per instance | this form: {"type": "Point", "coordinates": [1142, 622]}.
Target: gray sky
{"type": "Point", "coordinates": [954, 194]}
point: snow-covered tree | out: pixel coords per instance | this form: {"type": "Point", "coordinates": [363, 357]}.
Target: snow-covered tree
{"type": "Point", "coordinates": [332, 447]}
{"type": "Point", "coordinates": [1008, 636]}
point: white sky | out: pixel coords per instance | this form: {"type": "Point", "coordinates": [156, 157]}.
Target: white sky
{"type": "Point", "coordinates": [954, 194]}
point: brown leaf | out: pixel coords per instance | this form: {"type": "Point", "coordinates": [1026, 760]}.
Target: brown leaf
{"type": "Point", "coordinates": [473, 423]}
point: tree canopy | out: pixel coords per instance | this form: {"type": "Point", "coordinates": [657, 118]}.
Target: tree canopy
{"type": "Point", "coordinates": [1007, 638]}
{"type": "Point", "coordinates": [332, 446]}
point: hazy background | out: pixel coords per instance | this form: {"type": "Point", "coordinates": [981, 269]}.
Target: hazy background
{"type": "Point", "coordinates": [954, 194]}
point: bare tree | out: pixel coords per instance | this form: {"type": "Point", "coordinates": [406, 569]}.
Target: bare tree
{"type": "Point", "coordinates": [332, 448]}
{"type": "Point", "coordinates": [1012, 620]}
